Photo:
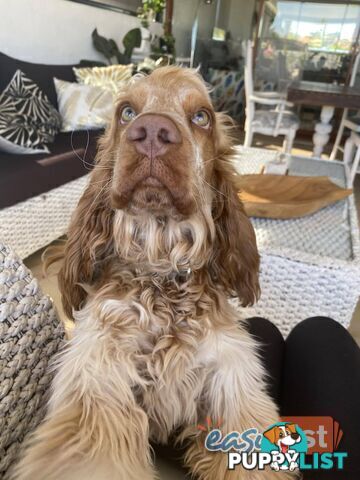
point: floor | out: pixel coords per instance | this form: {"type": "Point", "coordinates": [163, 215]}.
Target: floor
{"type": "Point", "coordinates": [49, 283]}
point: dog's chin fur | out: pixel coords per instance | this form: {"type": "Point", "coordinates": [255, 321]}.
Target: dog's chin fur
{"type": "Point", "coordinates": [154, 201]}
{"type": "Point", "coordinates": [163, 244]}
{"type": "Point", "coordinates": [156, 347]}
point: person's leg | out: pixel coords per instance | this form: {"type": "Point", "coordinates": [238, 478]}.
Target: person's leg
{"type": "Point", "coordinates": [321, 377]}
{"type": "Point", "coordinates": [272, 351]}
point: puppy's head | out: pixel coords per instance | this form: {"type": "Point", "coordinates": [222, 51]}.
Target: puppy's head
{"type": "Point", "coordinates": [283, 436]}
{"type": "Point", "coordinates": [165, 170]}
{"type": "Point", "coordinates": [165, 138]}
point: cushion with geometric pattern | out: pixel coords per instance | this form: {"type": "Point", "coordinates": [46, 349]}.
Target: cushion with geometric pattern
{"type": "Point", "coordinates": [28, 121]}
{"type": "Point", "coordinates": [227, 92]}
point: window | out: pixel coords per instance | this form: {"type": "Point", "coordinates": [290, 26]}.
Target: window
{"type": "Point", "coordinates": [322, 27]}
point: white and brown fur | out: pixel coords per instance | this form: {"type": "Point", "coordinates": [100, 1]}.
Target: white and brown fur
{"type": "Point", "coordinates": [156, 347]}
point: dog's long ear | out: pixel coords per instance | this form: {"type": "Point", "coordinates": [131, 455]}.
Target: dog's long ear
{"type": "Point", "coordinates": [270, 434]}
{"type": "Point", "coordinates": [90, 234]}
{"type": "Point", "coordinates": [236, 259]}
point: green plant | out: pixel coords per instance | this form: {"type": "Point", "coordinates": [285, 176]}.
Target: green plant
{"type": "Point", "coordinates": [163, 46]}
{"type": "Point", "coordinates": [149, 10]}
{"type": "Point", "coordinates": [167, 42]}
{"type": "Point", "coordinates": [110, 50]}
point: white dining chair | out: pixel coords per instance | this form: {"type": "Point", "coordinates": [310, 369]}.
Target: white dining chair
{"type": "Point", "coordinates": [351, 122]}
{"type": "Point", "coordinates": [274, 121]}
{"type": "Point", "coordinates": [352, 155]}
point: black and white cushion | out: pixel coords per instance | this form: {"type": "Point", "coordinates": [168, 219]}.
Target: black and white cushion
{"type": "Point", "coordinates": [28, 121]}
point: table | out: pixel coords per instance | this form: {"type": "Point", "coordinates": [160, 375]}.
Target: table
{"type": "Point", "coordinates": [310, 266]}
{"type": "Point", "coordinates": [327, 96]}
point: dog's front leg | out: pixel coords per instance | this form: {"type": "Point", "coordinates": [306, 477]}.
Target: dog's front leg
{"type": "Point", "coordinates": [94, 429]}
{"type": "Point", "coordinates": [234, 395]}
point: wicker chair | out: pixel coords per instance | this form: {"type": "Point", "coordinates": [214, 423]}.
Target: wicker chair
{"type": "Point", "coordinates": [30, 334]}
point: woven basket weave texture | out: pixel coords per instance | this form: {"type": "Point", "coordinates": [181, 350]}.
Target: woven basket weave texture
{"type": "Point", "coordinates": [30, 334]}
{"type": "Point", "coordinates": [310, 266]}
{"type": "Point", "coordinates": [31, 225]}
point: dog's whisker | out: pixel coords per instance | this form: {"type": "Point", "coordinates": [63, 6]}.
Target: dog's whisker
{"type": "Point", "coordinates": [82, 159]}
{"type": "Point", "coordinates": [102, 190]}
{"type": "Point", "coordinates": [100, 181]}
{"type": "Point", "coordinates": [201, 195]}
{"type": "Point", "coordinates": [213, 188]}
{"type": "Point", "coordinates": [212, 159]}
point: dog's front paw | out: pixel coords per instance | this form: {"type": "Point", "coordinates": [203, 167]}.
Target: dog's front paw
{"type": "Point", "coordinates": [293, 466]}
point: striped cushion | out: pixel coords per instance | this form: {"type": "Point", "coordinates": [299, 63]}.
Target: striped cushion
{"type": "Point", "coordinates": [109, 78]}
{"type": "Point", "coordinates": [28, 121]}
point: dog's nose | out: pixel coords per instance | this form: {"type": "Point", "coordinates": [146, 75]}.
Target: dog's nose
{"type": "Point", "coordinates": [152, 135]}
{"type": "Point", "coordinates": [295, 436]}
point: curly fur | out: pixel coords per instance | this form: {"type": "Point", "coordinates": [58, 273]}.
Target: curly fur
{"type": "Point", "coordinates": [156, 346]}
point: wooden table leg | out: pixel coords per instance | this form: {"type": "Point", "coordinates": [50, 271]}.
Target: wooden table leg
{"type": "Point", "coordinates": [322, 130]}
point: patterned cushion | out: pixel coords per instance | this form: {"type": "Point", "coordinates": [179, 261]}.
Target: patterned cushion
{"type": "Point", "coordinates": [268, 118]}
{"type": "Point", "coordinates": [110, 78]}
{"type": "Point", "coordinates": [228, 91]}
{"type": "Point", "coordinates": [83, 107]}
{"type": "Point", "coordinates": [27, 119]}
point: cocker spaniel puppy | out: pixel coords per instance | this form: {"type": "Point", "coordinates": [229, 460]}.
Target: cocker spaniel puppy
{"type": "Point", "coordinates": [157, 244]}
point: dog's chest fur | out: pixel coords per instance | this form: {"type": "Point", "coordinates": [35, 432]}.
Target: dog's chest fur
{"type": "Point", "coordinates": [162, 327]}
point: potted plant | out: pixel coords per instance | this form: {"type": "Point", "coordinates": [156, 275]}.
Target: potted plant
{"type": "Point", "coordinates": [157, 47]}
{"type": "Point", "coordinates": [150, 11]}
{"type": "Point", "coordinates": [110, 50]}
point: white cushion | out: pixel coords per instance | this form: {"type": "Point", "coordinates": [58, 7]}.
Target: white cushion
{"type": "Point", "coordinates": [83, 107]}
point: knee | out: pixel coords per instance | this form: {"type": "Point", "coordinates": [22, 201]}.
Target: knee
{"type": "Point", "coordinates": [317, 324]}
{"type": "Point", "coordinates": [319, 330]}
{"type": "Point", "coordinates": [264, 329]}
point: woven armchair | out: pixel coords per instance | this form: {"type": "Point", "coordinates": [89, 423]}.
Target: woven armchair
{"type": "Point", "coordinates": [30, 334]}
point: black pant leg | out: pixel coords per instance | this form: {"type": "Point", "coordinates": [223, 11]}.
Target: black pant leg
{"type": "Point", "coordinates": [272, 351]}
{"type": "Point", "coordinates": [321, 377]}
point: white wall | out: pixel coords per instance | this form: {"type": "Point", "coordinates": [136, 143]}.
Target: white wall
{"type": "Point", "coordinates": [223, 19]}
{"type": "Point", "coordinates": [235, 16]}
{"type": "Point", "coordinates": [57, 31]}
{"type": "Point", "coordinates": [185, 12]}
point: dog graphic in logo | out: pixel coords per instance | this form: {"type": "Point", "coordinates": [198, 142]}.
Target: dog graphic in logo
{"type": "Point", "coordinates": [287, 440]}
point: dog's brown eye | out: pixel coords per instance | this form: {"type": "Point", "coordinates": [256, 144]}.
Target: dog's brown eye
{"type": "Point", "coordinates": [281, 434]}
{"type": "Point", "coordinates": [201, 119]}
{"type": "Point", "coordinates": [127, 114]}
